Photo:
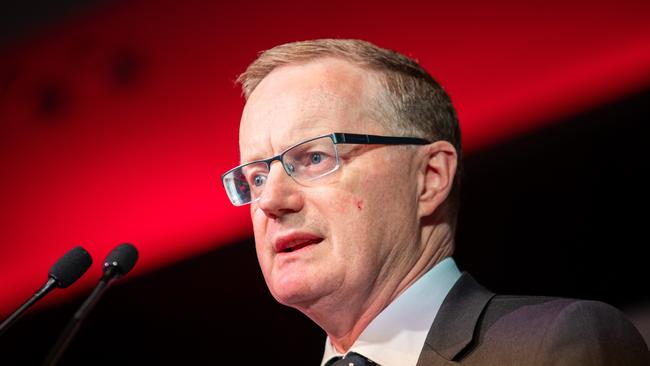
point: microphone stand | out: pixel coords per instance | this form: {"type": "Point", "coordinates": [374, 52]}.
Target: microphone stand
{"type": "Point", "coordinates": [49, 286]}
{"type": "Point", "coordinates": [75, 323]}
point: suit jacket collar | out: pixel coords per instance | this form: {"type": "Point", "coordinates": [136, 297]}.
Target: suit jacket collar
{"type": "Point", "coordinates": [454, 326]}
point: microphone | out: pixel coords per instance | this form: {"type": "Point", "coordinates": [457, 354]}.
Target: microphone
{"type": "Point", "coordinates": [117, 264]}
{"type": "Point", "coordinates": [69, 268]}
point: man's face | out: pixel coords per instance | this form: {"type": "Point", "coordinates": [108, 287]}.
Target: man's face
{"type": "Point", "coordinates": [351, 231]}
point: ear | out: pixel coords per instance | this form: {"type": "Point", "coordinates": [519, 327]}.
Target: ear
{"type": "Point", "coordinates": [435, 176]}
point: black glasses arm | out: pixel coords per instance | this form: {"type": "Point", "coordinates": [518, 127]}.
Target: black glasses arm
{"type": "Point", "coordinates": [353, 138]}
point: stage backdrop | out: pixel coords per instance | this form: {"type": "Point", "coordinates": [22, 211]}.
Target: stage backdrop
{"type": "Point", "coordinates": [117, 120]}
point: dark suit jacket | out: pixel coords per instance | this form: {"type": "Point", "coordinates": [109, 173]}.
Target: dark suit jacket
{"type": "Point", "coordinates": [476, 327]}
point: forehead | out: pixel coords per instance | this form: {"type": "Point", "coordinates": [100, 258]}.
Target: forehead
{"type": "Point", "coordinates": [297, 102]}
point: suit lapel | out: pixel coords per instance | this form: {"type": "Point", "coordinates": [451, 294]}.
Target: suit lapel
{"type": "Point", "coordinates": [454, 325]}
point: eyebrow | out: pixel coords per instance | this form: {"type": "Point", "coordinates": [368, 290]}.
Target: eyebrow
{"type": "Point", "coordinates": [283, 147]}
{"type": "Point", "coordinates": [258, 156]}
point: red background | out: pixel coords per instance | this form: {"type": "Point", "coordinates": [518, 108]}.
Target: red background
{"type": "Point", "coordinates": [116, 123]}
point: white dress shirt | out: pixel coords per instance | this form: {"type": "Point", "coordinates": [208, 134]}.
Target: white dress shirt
{"type": "Point", "coordinates": [396, 336]}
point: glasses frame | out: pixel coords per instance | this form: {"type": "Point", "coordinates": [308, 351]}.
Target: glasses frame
{"type": "Point", "coordinates": [337, 138]}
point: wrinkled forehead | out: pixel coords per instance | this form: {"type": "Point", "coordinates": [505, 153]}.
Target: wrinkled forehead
{"type": "Point", "coordinates": [298, 102]}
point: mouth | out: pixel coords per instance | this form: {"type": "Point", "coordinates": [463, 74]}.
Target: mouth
{"type": "Point", "coordinates": [300, 245]}
{"type": "Point", "coordinates": [293, 243]}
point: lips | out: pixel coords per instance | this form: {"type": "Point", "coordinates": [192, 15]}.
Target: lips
{"type": "Point", "coordinates": [296, 241]}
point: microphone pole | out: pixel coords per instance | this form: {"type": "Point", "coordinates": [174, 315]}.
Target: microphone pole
{"type": "Point", "coordinates": [69, 268]}
{"type": "Point", "coordinates": [47, 287]}
{"type": "Point", "coordinates": [118, 263]}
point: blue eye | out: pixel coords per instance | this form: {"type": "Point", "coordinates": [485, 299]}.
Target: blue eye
{"type": "Point", "coordinates": [315, 158]}
{"type": "Point", "coordinates": [259, 180]}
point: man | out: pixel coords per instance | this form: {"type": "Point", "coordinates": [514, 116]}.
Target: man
{"type": "Point", "coordinates": [350, 156]}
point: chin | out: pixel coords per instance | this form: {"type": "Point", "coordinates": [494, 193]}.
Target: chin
{"type": "Point", "coordinates": [294, 292]}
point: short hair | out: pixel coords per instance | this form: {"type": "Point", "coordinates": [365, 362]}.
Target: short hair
{"type": "Point", "coordinates": [417, 104]}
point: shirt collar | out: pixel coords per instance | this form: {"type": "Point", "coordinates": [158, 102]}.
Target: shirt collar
{"type": "Point", "coordinates": [396, 336]}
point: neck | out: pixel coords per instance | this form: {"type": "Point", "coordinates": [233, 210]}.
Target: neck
{"type": "Point", "coordinates": [344, 327]}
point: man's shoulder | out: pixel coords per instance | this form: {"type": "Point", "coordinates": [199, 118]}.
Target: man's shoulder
{"type": "Point", "coordinates": [477, 327]}
{"type": "Point", "coordinates": [551, 330]}
{"type": "Point", "coordinates": [546, 307]}
{"type": "Point", "coordinates": [548, 311]}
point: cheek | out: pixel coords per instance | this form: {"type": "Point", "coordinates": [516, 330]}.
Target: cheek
{"type": "Point", "coordinates": [345, 204]}
{"type": "Point", "coordinates": [259, 248]}
{"type": "Point", "coordinates": [352, 219]}
{"type": "Point", "coordinates": [258, 225]}
{"type": "Point", "coordinates": [259, 231]}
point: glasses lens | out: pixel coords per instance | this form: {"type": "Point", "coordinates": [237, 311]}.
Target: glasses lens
{"type": "Point", "coordinates": [245, 184]}
{"type": "Point", "coordinates": [311, 159]}
{"type": "Point", "coordinates": [307, 161]}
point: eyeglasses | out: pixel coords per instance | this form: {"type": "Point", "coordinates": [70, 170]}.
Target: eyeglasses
{"type": "Point", "coordinates": [304, 162]}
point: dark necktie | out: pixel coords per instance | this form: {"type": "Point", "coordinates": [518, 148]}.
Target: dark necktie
{"type": "Point", "coordinates": [351, 359]}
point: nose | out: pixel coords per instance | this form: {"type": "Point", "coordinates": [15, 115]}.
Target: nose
{"type": "Point", "coordinates": [281, 195]}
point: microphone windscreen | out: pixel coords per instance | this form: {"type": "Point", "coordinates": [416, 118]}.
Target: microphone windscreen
{"type": "Point", "coordinates": [123, 258]}
{"type": "Point", "coordinates": [70, 267]}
